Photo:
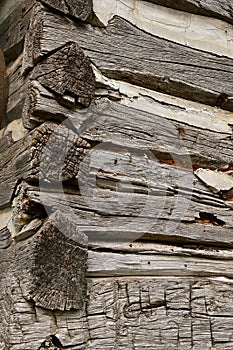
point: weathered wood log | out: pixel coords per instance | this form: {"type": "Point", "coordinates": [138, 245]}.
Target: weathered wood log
{"type": "Point", "coordinates": [3, 88]}
{"type": "Point", "coordinates": [81, 9]}
{"type": "Point", "coordinates": [52, 265]}
{"type": "Point", "coordinates": [42, 105]}
{"type": "Point", "coordinates": [68, 73]}
{"type": "Point", "coordinates": [128, 206]}
{"type": "Point", "coordinates": [22, 159]}
{"type": "Point", "coordinates": [17, 87]}
{"type": "Point", "coordinates": [13, 29]}
{"type": "Point", "coordinates": [221, 9]}
{"type": "Point", "coordinates": [168, 140]}
{"type": "Point", "coordinates": [150, 312]}
{"type": "Point", "coordinates": [73, 83]}
{"type": "Point", "coordinates": [108, 172]}
{"type": "Point", "coordinates": [180, 75]}
{"type": "Point", "coordinates": [103, 264]}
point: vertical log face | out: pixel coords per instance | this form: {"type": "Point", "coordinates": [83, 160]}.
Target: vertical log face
{"type": "Point", "coordinates": [116, 207]}
{"type": "Point", "coordinates": [53, 266]}
{"type": "Point", "coordinates": [68, 73]}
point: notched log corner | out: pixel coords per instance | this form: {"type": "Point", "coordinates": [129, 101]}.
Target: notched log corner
{"type": "Point", "coordinates": [52, 265]}
{"type": "Point", "coordinates": [28, 159]}
{"type": "Point", "coordinates": [81, 9]}
{"type": "Point", "coordinates": [69, 75]}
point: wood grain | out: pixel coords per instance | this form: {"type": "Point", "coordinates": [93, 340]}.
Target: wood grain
{"type": "Point", "coordinates": [80, 9]}
{"type": "Point", "coordinates": [68, 73]}
{"type": "Point", "coordinates": [22, 159]}
{"type": "Point", "coordinates": [156, 64]}
{"type": "Point", "coordinates": [14, 28]}
{"type": "Point", "coordinates": [54, 262]}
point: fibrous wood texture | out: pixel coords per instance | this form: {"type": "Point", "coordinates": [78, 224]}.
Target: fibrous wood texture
{"type": "Point", "coordinates": [123, 52]}
{"type": "Point", "coordinates": [116, 179]}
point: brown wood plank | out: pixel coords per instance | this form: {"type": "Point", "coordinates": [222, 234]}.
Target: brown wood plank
{"type": "Point", "coordinates": [221, 9]}
{"type": "Point", "coordinates": [142, 59]}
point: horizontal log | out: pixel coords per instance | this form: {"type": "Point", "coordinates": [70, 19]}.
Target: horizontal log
{"type": "Point", "coordinates": [197, 31]}
{"type": "Point", "coordinates": [42, 105]}
{"type": "Point", "coordinates": [151, 312]}
{"type": "Point", "coordinates": [109, 122]}
{"type": "Point", "coordinates": [102, 264]}
{"type": "Point", "coordinates": [22, 159]}
{"type": "Point", "coordinates": [221, 9]}
{"type": "Point", "coordinates": [128, 213]}
{"type": "Point", "coordinates": [13, 29]}
{"type": "Point", "coordinates": [180, 74]}
{"type": "Point", "coordinates": [183, 145]}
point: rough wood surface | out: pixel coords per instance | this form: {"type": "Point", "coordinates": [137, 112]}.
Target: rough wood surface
{"type": "Point", "coordinates": [127, 163]}
{"type": "Point", "coordinates": [3, 88]}
{"type": "Point", "coordinates": [221, 9]}
{"type": "Point", "coordinates": [42, 105]}
{"type": "Point", "coordinates": [80, 9]}
{"type": "Point", "coordinates": [17, 87]}
{"type": "Point", "coordinates": [140, 313]}
{"type": "Point", "coordinates": [22, 159]}
{"type": "Point", "coordinates": [52, 265]}
{"type": "Point", "coordinates": [13, 29]}
{"type": "Point", "coordinates": [113, 216]}
{"type": "Point", "coordinates": [68, 73]}
{"type": "Point", "coordinates": [166, 139]}
{"type": "Point", "coordinates": [167, 67]}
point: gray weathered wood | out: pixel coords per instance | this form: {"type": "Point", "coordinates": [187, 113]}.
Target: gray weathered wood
{"type": "Point", "coordinates": [22, 159]}
{"type": "Point", "coordinates": [156, 64]}
{"type": "Point", "coordinates": [53, 266]}
{"type": "Point", "coordinates": [17, 87]}
{"type": "Point", "coordinates": [68, 73]}
{"type": "Point", "coordinates": [113, 171]}
{"type": "Point", "coordinates": [13, 29]}
{"type": "Point", "coordinates": [117, 124]}
{"type": "Point", "coordinates": [5, 238]}
{"type": "Point", "coordinates": [150, 313]}
{"type": "Point", "coordinates": [221, 9]}
{"type": "Point", "coordinates": [81, 9]}
{"type": "Point", "coordinates": [129, 212]}
{"type": "Point", "coordinates": [42, 105]}
{"type": "Point", "coordinates": [3, 88]}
